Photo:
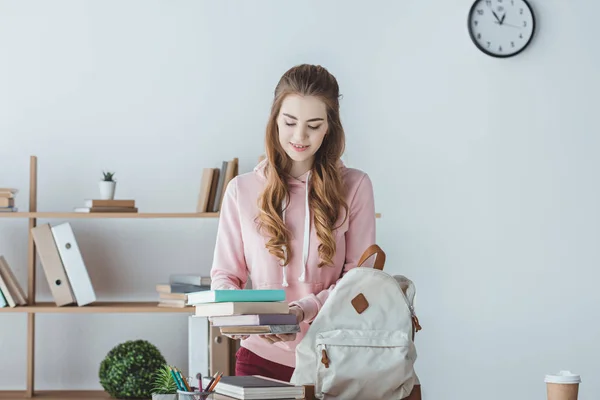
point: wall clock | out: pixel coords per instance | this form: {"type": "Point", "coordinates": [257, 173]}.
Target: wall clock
{"type": "Point", "coordinates": [501, 28]}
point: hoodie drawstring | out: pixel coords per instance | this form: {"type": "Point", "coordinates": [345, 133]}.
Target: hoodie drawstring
{"type": "Point", "coordinates": [306, 241]}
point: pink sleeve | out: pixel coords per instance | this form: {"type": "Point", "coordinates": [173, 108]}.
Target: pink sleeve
{"type": "Point", "coordinates": [360, 235]}
{"type": "Point", "coordinates": [229, 270]}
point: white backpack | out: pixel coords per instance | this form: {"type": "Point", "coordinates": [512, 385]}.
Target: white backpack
{"type": "Point", "coordinates": [361, 344]}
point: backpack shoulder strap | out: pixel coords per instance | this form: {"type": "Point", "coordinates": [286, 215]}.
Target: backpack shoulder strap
{"type": "Point", "coordinates": [369, 252]}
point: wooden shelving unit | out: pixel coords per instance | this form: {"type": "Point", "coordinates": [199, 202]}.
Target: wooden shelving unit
{"type": "Point", "coordinates": [32, 308]}
{"type": "Point", "coordinates": [104, 307]}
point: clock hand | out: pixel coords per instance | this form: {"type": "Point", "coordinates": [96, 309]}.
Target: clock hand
{"type": "Point", "coordinates": [512, 26]}
{"type": "Point", "coordinates": [502, 20]}
{"type": "Point", "coordinates": [496, 15]}
{"type": "Point", "coordinates": [493, 12]}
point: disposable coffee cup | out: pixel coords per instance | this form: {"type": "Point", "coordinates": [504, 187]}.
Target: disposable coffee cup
{"type": "Point", "coordinates": [562, 386]}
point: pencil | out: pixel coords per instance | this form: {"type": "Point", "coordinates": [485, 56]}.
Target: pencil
{"type": "Point", "coordinates": [209, 384]}
{"type": "Point", "coordinates": [175, 378]}
{"type": "Point", "coordinates": [183, 380]}
{"type": "Point", "coordinates": [215, 383]}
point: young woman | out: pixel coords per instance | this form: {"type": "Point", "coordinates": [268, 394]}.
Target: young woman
{"type": "Point", "coordinates": [299, 221]}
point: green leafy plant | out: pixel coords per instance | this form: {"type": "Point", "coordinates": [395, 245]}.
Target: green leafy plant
{"type": "Point", "coordinates": [108, 176]}
{"type": "Point", "coordinates": [163, 381]}
{"type": "Point", "coordinates": [128, 369]}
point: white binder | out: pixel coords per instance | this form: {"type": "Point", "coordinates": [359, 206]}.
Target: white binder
{"type": "Point", "coordinates": [73, 264]}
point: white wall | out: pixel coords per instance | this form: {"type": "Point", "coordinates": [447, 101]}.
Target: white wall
{"type": "Point", "coordinates": [484, 169]}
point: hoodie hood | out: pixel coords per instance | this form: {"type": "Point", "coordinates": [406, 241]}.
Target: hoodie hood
{"type": "Point", "coordinates": [301, 181]}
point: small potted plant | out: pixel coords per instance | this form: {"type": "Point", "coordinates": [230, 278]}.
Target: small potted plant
{"type": "Point", "coordinates": [107, 186]}
{"type": "Point", "coordinates": [163, 386]}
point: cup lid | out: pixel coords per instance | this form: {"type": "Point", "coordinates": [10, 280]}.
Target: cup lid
{"type": "Point", "coordinates": [563, 377]}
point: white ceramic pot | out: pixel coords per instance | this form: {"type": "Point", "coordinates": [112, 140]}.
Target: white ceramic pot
{"type": "Point", "coordinates": [107, 190]}
{"type": "Point", "coordinates": [164, 396]}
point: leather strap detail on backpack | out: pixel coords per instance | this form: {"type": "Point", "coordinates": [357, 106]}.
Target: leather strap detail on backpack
{"type": "Point", "coordinates": [360, 303]}
{"type": "Point", "coordinates": [369, 252]}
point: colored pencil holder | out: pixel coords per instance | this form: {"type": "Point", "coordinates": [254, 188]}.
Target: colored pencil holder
{"type": "Point", "coordinates": [195, 395]}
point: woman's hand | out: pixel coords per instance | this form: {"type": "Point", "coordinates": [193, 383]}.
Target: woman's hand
{"type": "Point", "coordinates": [286, 337]}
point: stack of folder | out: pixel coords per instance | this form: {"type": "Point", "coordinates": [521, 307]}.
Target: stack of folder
{"type": "Point", "coordinates": [245, 311]}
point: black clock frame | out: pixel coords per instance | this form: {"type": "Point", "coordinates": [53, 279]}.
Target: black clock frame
{"type": "Point", "coordinates": [489, 53]}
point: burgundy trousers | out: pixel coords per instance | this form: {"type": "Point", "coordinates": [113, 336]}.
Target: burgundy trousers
{"type": "Point", "coordinates": [248, 363]}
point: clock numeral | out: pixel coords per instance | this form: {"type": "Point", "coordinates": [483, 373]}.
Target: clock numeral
{"type": "Point", "coordinates": [488, 2]}
{"type": "Point", "coordinates": [479, 36]}
{"type": "Point", "coordinates": [521, 11]}
{"type": "Point", "coordinates": [512, 44]}
{"type": "Point", "coordinates": [500, 8]}
{"type": "Point", "coordinates": [480, 12]}
{"type": "Point", "coordinates": [521, 36]}
{"type": "Point", "coordinates": [524, 24]}
{"type": "Point", "coordinates": [512, 2]}
{"type": "Point", "coordinates": [475, 23]}
{"type": "Point", "coordinates": [499, 1]}
{"type": "Point", "coordinates": [489, 44]}
{"type": "Point", "coordinates": [500, 49]}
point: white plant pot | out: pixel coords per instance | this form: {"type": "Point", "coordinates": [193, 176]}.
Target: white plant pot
{"type": "Point", "coordinates": [107, 190]}
{"type": "Point", "coordinates": [164, 396]}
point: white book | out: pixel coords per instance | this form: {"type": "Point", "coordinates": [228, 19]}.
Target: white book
{"type": "Point", "coordinates": [73, 264]}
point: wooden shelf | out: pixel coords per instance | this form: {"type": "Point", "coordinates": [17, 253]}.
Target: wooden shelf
{"type": "Point", "coordinates": [104, 215]}
{"type": "Point", "coordinates": [56, 394]}
{"type": "Point", "coordinates": [70, 215]}
{"type": "Point", "coordinates": [99, 307]}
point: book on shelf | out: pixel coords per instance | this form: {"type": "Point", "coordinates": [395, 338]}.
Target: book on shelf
{"type": "Point", "coordinates": [52, 265]}
{"type": "Point", "coordinates": [107, 206]}
{"type": "Point", "coordinates": [12, 292]}
{"type": "Point", "coordinates": [7, 200]}
{"type": "Point", "coordinates": [180, 288]}
{"type": "Point", "coordinates": [256, 387]}
{"type": "Point", "coordinates": [73, 263]}
{"type": "Point", "coordinates": [213, 184]}
{"type": "Point", "coordinates": [190, 279]}
{"type": "Point", "coordinates": [175, 293]}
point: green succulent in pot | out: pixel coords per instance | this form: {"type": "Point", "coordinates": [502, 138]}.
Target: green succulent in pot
{"type": "Point", "coordinates": [128, 370]}
{"type": "Point", "coordinates": [163, 385]}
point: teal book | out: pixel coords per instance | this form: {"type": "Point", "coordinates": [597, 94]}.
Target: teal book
{"type": "Point", "coordinates": [3, 302]}
{"type": "Point", "coordinates": [239, 296]}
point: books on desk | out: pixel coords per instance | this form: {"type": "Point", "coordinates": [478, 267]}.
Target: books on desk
{"type": "Point", "coordinates": [246, 311]}
{"type": "Point", "coordinates": [257, 387]}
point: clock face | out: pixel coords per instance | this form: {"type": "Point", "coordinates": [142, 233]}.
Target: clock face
{"type": "Point", "coordinates": [501, 28]}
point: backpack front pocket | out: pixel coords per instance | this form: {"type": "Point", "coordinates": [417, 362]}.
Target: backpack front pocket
{"type": "Point", "coordinates": [365, 364]}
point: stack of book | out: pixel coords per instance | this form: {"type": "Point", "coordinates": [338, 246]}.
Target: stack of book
{"type": "Point", "coordinates": [108, 206]}
{"type": "Point", "coordinates": [246, 311]}
{"type": "Point", "coordinates": [256, 387]}
{"type": "Point", "coordinates": [7, 200]}
{"type": "Point", "coordinates": [175, 293]}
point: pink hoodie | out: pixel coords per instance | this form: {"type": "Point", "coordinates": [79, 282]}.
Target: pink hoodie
{"type": "Point", "coordinates": [240, 252]}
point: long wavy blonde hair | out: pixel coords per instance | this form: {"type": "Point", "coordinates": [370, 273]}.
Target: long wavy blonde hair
{"type": "Point", "coordinates": [327, 190]}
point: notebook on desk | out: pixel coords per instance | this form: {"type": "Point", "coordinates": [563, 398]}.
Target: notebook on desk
{"type": "Point", "coordinates": [256, 387]}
